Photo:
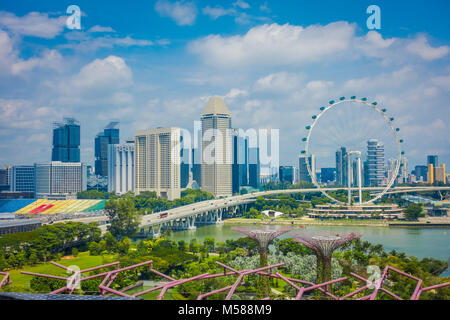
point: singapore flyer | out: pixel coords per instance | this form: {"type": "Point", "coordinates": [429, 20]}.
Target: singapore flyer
{"type": "Point", "coordinates": [359, 135]}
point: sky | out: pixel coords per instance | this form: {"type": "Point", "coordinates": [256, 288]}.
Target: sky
{"type": "Point", "coordinates": [154, 64]}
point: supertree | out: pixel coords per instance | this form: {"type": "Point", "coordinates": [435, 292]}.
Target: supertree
{"type": "Point", "coordinates": [323, 246]}
{"type": "Point", "coordinates": [263, 236]}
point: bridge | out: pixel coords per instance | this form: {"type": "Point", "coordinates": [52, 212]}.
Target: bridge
{"type": "Point", "coordinates": [209, 212]}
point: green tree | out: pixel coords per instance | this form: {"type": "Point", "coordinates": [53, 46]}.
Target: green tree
{"type": "Point", "coordinates": [123, 217]}
{"type": "Point", "coordinates": [413, 212]}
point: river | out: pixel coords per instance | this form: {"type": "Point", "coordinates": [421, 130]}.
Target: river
{"type": "Point", "coordinates": [419, 242]}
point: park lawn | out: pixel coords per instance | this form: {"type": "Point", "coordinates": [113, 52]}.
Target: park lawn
{"type": "Point", "coordinates": [21, 282]}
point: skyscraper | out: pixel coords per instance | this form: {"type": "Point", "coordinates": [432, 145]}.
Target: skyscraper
{"type": "Point", "coordinates": [303, 168]}
{"type": "Point", "coordinates": [121, 167]}
{"type": "Point", "coordinates": [328, 175]}
{"type": "Point", "coordinates": [421, 172]}
{"type": "Point", "coordinates": [60, 180]}
{"type": "Point", "coordinates": [341, 167]}
{"type": "Point", "coordinates": [66, 141]}
{"type": "Point", "coordinates": [240, 161]}
{"type": "Point", "coordinates": [157, 162]}
{"type": "Point", "coordinates": [197, 166]}
{"type": "Point", "coordinates": [286, 174]}
{"type": "Point", "coordinates": [375, 162]}
{"type": "Point", "coordinates": [433, 159]}
{"type": "Point", "coordinates": [216, 148]}
{"type": "Point", "coordinates": [185, 163]}
{"type": "Point", "coordinates": [254, 167]}
{"type": "Point", "coordinates": [110, 135]}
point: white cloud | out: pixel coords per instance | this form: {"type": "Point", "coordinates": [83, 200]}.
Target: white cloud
{"type": "Point", "coordinates": [421, 47]}
{"type": "Point", "coordinates": [241, 4]}
{"type": "Point", "coordinates": [81, 41]}
{"type": "Point", "coordinates": [10, 63]}
{"type": "Point", "coordinates": [275, 44]}
{"type": "Point", "coordinates": [233, 93]}
{"type": "Point", "coordinates": [34, 24]}
{"type": "Point", "coordinates": [384, 80]}
{"type": "Point", "coordinates": [183, 13]}
{"type": "Point", "coordinates": [442, 82]}
{"type": "Point", "coordinates": [50, 59]}
{"type": "Point", "coordinates": [98, 28]}
{"type": "Point", "coordinates": [280, 82]}
{"type": "Point", "coordinates": [217, 12]}
{"type": "Point", "coordinates": [99, 83]}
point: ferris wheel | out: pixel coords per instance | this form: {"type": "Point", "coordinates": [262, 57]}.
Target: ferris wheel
{"type": "Point", "coordinates": [389, 124]}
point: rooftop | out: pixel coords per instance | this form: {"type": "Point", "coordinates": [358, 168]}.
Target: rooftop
{"type": "Point", "coordinates": [216, 105]}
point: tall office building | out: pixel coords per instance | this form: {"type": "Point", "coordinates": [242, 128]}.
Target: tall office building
{"type": "Point", "coordinates": [375, 162]}
{"type": "Point", "coordinates": [303, 168]}
{"type": "Point", "coordinates": [286, 174]}
{"type": "Point", "coordinates": [341, 167]}
{"type": "Point", "coordinates": [197, 166]}
{"type": "Point", "coordinates": [240, 161]}
{"type": "Point", "coordinates": [110, 135]}
{"type": "Point", "coordinates": [157, 162]}
{"type": "Point", "coordinates": [185, 163]}
{"type": "Point", "coordinates": [433, 159]}
{"type": "Point", "coordinates": [254, 167]}
{"type": "Point", "coordinates": [328, 175]}
{"type": "Point", "coordinates": [66, 141]}
{"type": "Point", "coordinates": [432, 163]}
{"type": "Point", "coordinates": [216, 148]}
{"type": "Point", "coordinates": [22, 179]}
{"type": "Point", "coordinates": [421, 173]}
{"type": "Point", "coordinates": [121, 167]}
{"type": "Point", "coordinates": [60, 180]}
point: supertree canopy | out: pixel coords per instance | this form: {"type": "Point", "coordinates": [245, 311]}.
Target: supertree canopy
{"type": "Point", "coordinates": [263, 236]}
{"type": "Point", "coordinates": [323, 246]}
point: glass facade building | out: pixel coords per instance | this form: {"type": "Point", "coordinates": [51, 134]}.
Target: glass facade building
{"type": "Point", "coordinates": [303, 172]}
{"type": "Point", "coordinates": [286, 174]}
{"type": "Point", "coordinates": [110, 135]}
{"type": "Point", "coordinates": [60, 180]}
{"type": "Point", "coordinates": [240, 161]}
{"type": "Point", "coordinates": [22, 178]}
{"type": "Point", "coordinates": [66, 141]}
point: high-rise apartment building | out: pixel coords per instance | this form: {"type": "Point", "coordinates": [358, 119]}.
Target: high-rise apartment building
{"type": "Point", "coordinates": [110, 135]}
{"type": "Point", "coordinates": [60, 180]}
{"type": "Point", "coordinates": [304, 175]}
{"type": "Point", "coordinates": [375, 162]}
{"type": "Point", "coordinates": [66, 141]}
{"type": "Point", "coordinates": [121, 167]}
{"type": "Point", "coordinates": [157, 162]}
{"type": "Point", "coordinates": [216, 148]}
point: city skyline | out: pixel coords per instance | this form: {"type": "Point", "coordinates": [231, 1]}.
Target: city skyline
{"type": "Point", "coordinates": [116, 70]}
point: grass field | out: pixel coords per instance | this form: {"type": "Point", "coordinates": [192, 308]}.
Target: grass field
{"type": "Point", "coordinates": [21, 282]}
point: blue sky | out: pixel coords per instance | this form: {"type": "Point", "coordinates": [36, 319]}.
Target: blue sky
{"type": "Point", "coordinates": [155, 63]}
